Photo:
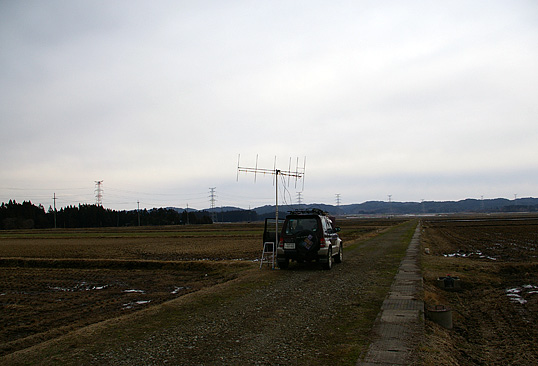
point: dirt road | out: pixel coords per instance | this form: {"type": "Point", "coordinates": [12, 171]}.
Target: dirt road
{"type": "Point", "coordinates": [300, 316]}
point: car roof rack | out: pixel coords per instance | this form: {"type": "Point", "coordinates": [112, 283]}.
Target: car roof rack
{"type": "Point", "coordinates": [312, 211]}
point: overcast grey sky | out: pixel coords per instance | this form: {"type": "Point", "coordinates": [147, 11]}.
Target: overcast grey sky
{"type": "Point", "coordinates": [434, 100]}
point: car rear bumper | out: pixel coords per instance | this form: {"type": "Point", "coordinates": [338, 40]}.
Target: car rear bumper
{"type": "Point", "coordinates": [320, 255]}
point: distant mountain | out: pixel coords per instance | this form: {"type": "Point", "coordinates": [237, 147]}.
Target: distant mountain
{"type": "Point", "coordinates": [404, 208]}
{"type": "Point", "coordinates": [216, 209]}
{"type": "Point", "coordinates": [438, 207]}
{"type": "Point", "coordinates": [529, 204]}
{"type": "Point", "coordinates": [269, 210]}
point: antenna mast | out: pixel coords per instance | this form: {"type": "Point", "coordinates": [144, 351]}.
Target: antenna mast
{"type": "Point", "coordinates": [297, 174]}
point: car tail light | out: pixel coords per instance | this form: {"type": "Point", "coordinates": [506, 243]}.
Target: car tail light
{"type": "Point", "coordinates": [281, 243]}
{"type": "Point", "coordinates": [322, 243]}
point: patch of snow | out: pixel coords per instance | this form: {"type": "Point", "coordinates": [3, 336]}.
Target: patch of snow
{"type": "Point", "coordinates": [178, 289]}
{"type": "Point", "coordinates": [83, 286]}
{"type": "Point", "coordinates": [519, 299]}
{"type": "Point", "coordinates": [130, 305]}
{"type": "Point", "coordinates": [462, 254]}
{"type": "Point", "coordinates": [517, 294]}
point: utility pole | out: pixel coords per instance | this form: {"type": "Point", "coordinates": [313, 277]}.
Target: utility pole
{"type": "Point", "coordinates": [187, 214]}
{"type": "Point", "coordinates": [54, 200]}
{"type": "Point", "coordinates": [390, 205]}
{"type": "Point", "coordinates": [138, 211]}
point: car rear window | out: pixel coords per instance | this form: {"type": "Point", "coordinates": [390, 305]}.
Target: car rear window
{"type": "Point", "coordinates": [296, 225]}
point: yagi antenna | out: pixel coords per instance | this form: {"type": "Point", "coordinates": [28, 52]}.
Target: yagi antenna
{"type": "Point", "coordinates": [297, 174]}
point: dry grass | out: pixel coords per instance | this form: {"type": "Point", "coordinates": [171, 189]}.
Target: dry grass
{"type": "Point", "coordinates": [491, 256]}
{"type": "Point", "coordinates": [52, 282]}
{"type": "Point", "coordinates": [173, 243]}
{"type": "Point", "coordinates": [56, 281]}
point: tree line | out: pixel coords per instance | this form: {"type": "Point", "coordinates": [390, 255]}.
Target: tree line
{"type": "Point", "coordinates": [26, 215]}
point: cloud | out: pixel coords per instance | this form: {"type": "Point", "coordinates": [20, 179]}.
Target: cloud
{"type": "Point", "coordinates": [162, 97]}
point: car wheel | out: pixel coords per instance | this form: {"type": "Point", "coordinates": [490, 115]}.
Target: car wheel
{"type": "Point", "coordinates": [340, 257]}
{"type": "Point", "coordinates": [329, 263]}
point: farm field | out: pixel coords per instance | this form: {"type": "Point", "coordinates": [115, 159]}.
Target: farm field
{"type": "Point", "coordinates": [496, 311]}
{"type": "Point", "coordinates": [56, 281]}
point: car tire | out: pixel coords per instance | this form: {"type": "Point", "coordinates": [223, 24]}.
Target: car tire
{"type": "Point", "coordinates": [329, 263]}
{"type": "Point", "coordinates": [340, 257]}
{"type": "Point", "coordinates": [283, 263]}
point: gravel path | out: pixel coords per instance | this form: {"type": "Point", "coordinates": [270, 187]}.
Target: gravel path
{"type": "Point", "coordinates": [287, 318]}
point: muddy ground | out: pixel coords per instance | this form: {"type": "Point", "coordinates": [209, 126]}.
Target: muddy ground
{"type": "Point", "coordinates": [496, 310]}
{"type": "Point", "coordinates": [55, 281]}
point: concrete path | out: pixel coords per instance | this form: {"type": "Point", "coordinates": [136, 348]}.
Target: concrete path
{"type": "Point", "coordinates": [400, 324]}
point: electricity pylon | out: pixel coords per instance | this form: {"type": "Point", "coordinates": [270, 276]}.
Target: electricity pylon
{"type": "Point", "coordinates": [98, 193]}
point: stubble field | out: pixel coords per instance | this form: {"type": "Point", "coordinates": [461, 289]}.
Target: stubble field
{"type": "Point", "coordinates": [56, 281]}
{"type": "Point", "coordinates": [496, 311]}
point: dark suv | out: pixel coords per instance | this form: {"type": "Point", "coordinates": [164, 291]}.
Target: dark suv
{"type": "Point", "coordinates": [309, 236]}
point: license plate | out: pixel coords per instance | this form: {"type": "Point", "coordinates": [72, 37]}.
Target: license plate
{"type": "Point", "coordinates": [289, 245]}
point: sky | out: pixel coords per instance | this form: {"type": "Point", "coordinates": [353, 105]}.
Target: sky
{"type": "Point", "coordinates": [163, 100]}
